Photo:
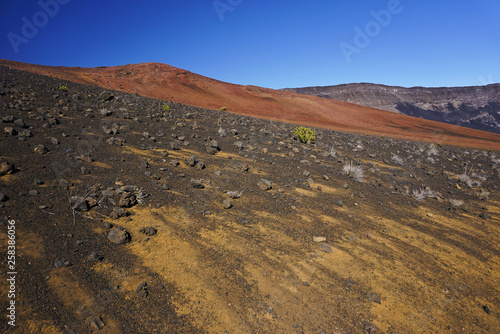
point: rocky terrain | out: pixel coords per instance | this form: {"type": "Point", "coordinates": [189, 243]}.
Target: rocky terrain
{"type": "Point", "coordinates": [169, 83]}
{"type": "Point", "coordinates": [473, 107]}
{"type": "Point", "coordinates": [141, 215]}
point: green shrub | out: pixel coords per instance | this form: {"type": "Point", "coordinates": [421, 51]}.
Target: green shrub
{"type": "Point", "coordinates": [63, 88]}
{"type": "Point", "coordinates": [223, 108]}
{"type": "Point", "coordinates": [304, 134]}
{"type": "Point", "coordinates": [165, 107]}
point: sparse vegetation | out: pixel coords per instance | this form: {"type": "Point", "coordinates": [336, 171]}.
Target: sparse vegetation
{"type": "Point", "coordinates": [353, 171]}
{"type": "Point", "coordinates": [422, 193]}
{"type": "Point", "coordinates": [165, 107]}
{"type": "Point", "coordinates": [63, 88]}
{"type": "Point", "coordinates": [221, 132]}
{"type": "Point", "coordinates": [456, 202]}
{"type": "Point", "coordinates": [223, 108]}
{"type": "Point", "coordinates": [432, 150]}
{"type": "Point", "coordinates": [333, 152]}
{"type": "Point", "coordinates": [468, 180]}
{"type": "Point", "coordinates": [305, 135]}
{"type": "Point", "coordinates": [482, 194]}
{"type": "Point", "coordinates": [397, 159]}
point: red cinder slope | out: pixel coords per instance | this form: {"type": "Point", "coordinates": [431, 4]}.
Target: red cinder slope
{"type": "Point", "coordinates": [170, 83]}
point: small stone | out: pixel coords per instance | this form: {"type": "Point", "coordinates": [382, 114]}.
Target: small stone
{"type": "Point", "coordinates": [192, 161]}
{"type": "Point", "coordinates": [106, 112]}
{"type": "Point", "coordinates": [197, 184]}
{"type": "Point", "coordinates": [264, 184]}
{"type": "Point", "coordinates": [97, 323]}
{"type": "Point", "coordinates": [10, 131]}
{"type": "Point", "coordinates": [487, 309]}
{"type": "Point", "coordinates": [3, 197]}
{"type": "Point", "coordinates": [149, 231]}
{"type": "Point", "coordinates": [40, 149]}
{"type": "Point", "coordinates": [239, 145]}
{"type": "Point", "coordinates": [6, 167]}
{"type": "Point", "coordinates": [227, 204]}
{"type": "Point", "coordinates": [175, 145]}
{"type": "Point", "coordinates": [319, 239]}
{"type": "Point", "coordinates": [33, 192]}
{"type": "Point", "coordinates": [78, 203]}
{"type": "Point", "coordinates": [374, 298]}
{"type": "Point", "coordinates": [94, 258]}
{"type": "Point", "coordinates": [174, 163]}
{"type": "Point", "coordinates": [53, 141]}
{"type": "Point", "coordinates": [142, 289]}
{"type": "Point", "coordinates": [200, 165]}
{"type": "Point", "coordinates": [118, 235]}
{"type": "Point", "coordinates": [325, 248]}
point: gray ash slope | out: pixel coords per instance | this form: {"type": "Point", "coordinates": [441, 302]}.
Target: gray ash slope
{"type": "Point", "coordinates": [476, 107]}
{"type": "Point", "coordinates": [88, 160]}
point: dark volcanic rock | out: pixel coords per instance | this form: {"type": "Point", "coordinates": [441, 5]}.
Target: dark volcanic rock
{"type": "Point", "coordinates": [149, 231]}
{"type": "Point", "coordinates": [79, 203]}
{"type": "Point", "coordinates": [118, 235]}
{"type": "Point", "coordinates": [6, 167]}
{"type": "Point", "coordinates": [265, 184]}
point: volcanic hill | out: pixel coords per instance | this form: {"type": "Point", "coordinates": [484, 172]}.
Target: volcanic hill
{"type": "Point", "coordinates": [173, 84]}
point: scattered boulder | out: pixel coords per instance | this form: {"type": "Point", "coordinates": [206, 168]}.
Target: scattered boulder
{"type": "Point", "coordinates": [265, 184]}
{"type": "Point", "coordinates": [374, 298]}
{"type": "Point", "coordinates": [239, 145]}
{"type": "Point", "coordinates": [127, 200]}
{"type": "Point", "coordinates": [192, 161]}
{"type": "Point", "coordinates": [118, 235]}
{"type": "Point", "coordinates": [119, 212]}
{"type": "Point", "coordinates": [197, 184]}
{"type": "Point", "coordinates": [20, 123]}
{"type": "Point", "coordinates": [227, 204]}
{"type": "Point", "coordinates": [319, 239]}
{"type": "Point", "coordinates": [200, 165]}
{"type": "Point", "coordinates": [96, 323]}
{"type": "Point", "coordinates": [93, 258]}
{"type": "Point", "coordinates": [142, 289]}
{"type": "Point", "coordinates": [10, 131]}
{"type": "Point", "coordinates": [6, 167]}
{"type": "Point", "coordinates": [212, 147]}
{"type": "Point", "coordinates": [106, 112]}
{"type": "Point", "coordinates": [175, 145]}
{"type": "Point", "coordinates": [325, 248]}
{"type": "Point", "coordinates": [40, 149]}
{"type": "Point", "coordinates": [149, 231]}
{"type": "Point", "coordinates": [79, 203]}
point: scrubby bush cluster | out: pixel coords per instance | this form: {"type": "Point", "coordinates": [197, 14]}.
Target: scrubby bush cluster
{"type": "Point", "coordinates": [305, 135]}
{"type": "Point", "coordinates": [63, 88]}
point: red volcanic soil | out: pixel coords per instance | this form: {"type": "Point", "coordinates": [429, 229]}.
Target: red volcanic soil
{"type": "Point", "coordinates": [170, 83]}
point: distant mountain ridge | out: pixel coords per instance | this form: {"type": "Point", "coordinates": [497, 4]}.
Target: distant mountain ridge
{"type": "Point", "coordinates": [476, 107]}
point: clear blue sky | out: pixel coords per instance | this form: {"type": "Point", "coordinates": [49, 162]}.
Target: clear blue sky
{"type": "Point", "coordinates": [272, 44]}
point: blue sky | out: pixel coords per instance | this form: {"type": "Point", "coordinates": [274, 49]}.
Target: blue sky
{"type": "Point", "coordinates": [272, 44]}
